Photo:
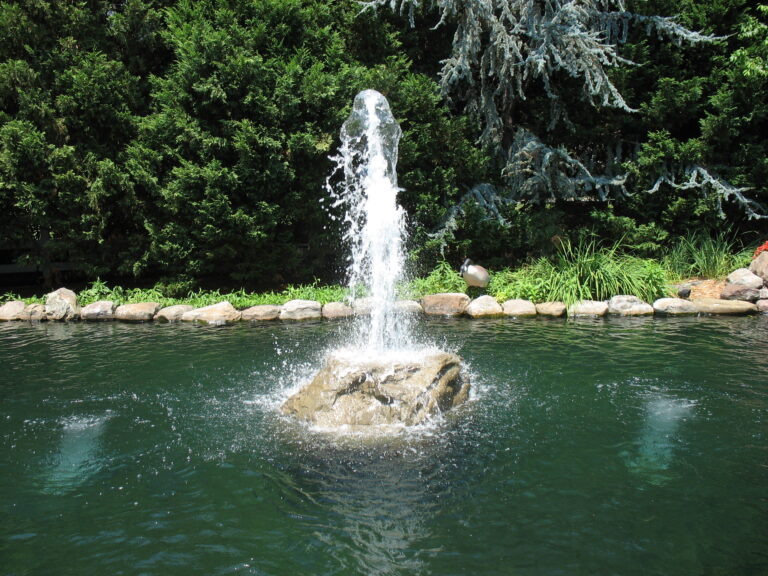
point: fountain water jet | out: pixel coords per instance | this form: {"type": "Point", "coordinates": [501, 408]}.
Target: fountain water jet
{"type": "Point", "coordinates": [381, 379]}
{"type": "Point", "coordinates": [375, 222]}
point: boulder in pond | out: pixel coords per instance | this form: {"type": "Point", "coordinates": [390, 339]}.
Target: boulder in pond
{"type": "Point", "coordinates": [484, 307]}
{"type": "Point", "coordinates": [762, 306]}
{"type": "Point", "coordinates": [261, 313]}
{"type": "Point", "coordinates": [301, 310]}
{"type": "Point", "coordinates": [12, 310]}
{"type": "Point", "coordinates": [34, 313]}
{"type": "Point", "coordinates": [553, 309]}
{"type": "Point", "coordinates": [627, 305]}
{"type": "Point", "coordinates": [720, 306]}
{"type": "Point", "coordinates": [445, 304]}
{"type": "Point", "coordinates": [519, 308]}
{"type": "Point", "coordinates": [214, 315]}
{"type": "Point", "coordinates": [588, 309]}
{"type": "Point", "coordinates": [408, 307]}
{"type": "Point", "coordinates": [172, 313]}
{"type": "Point", "coordinates": [674, 306]}
{"type": "Point", "coordinates": [336, 310]}
{"type": "Point", "coordinates": [350, 391]}
{"type": "Point", "coordinates": [99, 310]}
{"type": "Point", "coordinates": [62, 305]}
{"type": "Point", "coordinates": [138, 312]}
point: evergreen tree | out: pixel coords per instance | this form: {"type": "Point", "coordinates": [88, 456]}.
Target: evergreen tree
{"type": "Point", "coordinates": [565, 110]}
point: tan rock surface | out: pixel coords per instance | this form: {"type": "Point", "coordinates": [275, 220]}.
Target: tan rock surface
{"type": "Point", "coordinates": [484, 307]}
{"type": "Point", "coordinates": [364, 393]}
{"type": "Point", "coordinates": [301, 310]}
{"type": "Point", "coordinates": [554, 309]}
{"type": "Point", "coordinates": [335, 310]}
{"type": "Point", "coordinates": [519, 308]}
{"type": "Point", "coordinates": [720, 306]}
{"type": "Point", "coordinates": [214, 315]}
{"type": "Point", "coordinates": [172, 313]}
{"type": "Point", "coordinates": [12, 310]}
{"type": "Point", "coordinates": [100, 310]}
{"type": "Point", "coordinates": [588, 309]}
{"type": "Point", "coordinates": [62, 305]}
{"type": "Point", "coordinates": [674, 306]}
{"type": "Point", "coordinates": [261, 313]}
{"type": "Point", "coordinates": [138, 312]}
{"type": "Point", "coordinates": [445, 304]}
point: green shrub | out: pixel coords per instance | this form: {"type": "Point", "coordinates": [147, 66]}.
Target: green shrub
{"type": "Point", "coordinates": [443, 278]}
{"type": "Point", "coordinates": [527, 283]}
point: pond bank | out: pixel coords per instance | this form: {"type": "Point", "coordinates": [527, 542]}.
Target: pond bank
{"type": "Point", "coordinates": [62, 305]}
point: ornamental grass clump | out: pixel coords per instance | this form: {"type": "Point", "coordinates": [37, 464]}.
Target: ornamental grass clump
{"type": "Point", "coordinates": [704, 256]}
{"type": "Point", "coordinates": [584, 271]}
{"type": "Point", "coordinates": [589, 271]}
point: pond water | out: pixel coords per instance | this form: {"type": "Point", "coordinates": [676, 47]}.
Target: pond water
{"type": "Point", "coordinates": [597, 447]}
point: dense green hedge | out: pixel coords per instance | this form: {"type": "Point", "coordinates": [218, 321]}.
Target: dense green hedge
{"type": "Point", "coordinates": [187, 142]}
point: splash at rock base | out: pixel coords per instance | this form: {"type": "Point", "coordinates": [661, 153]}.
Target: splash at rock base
{"type": "Point", "coordinates": [380, 392]}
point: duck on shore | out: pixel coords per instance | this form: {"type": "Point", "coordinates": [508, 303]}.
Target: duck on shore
{"type": "Point", "coordinates": [474, 275]}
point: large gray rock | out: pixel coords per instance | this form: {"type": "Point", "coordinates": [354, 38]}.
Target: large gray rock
{"type": "Point", "coordinates": [744, 277]}
{"type": "Point", "coordinates": [214, 315]}
{"type": "Point", "coordinates": [34, 313]}
{"type": "Point", "coordinates": [100, 310]}
{"type": "Point", "coordinates": [759, 266]}
{"type": "Point", "coordinates": [138, 312]}
{"type": "Point", "coordinates": [628, 306]}
{"type": "Point", "coordinates": [361, 392]}
{"type": "Point", "coordinates": [335, 310]}
{"type": "Point", "coordinates": [301, 310]}
{"type": "Point", "coordinates": [484, 307]}
{"type": "Point", "coordinates": [261, 313]}
{"type": "Point", "coordinates": [62, 305]}
{"type": "Point", "coordinates": [719, 306]}
{"type": "Point", "coordinates": [12, 310]}
{"type": "Point", "coordinates": [172, 313]}
{"type": "Point", "coordinates": [408, 307]}
{"type": "Point", "coordinates": [554, 309]}
{"type": "Point", "coordinates": [762, 306]}
{"type": "Point", "coordinates": [519, 308]}
{"type": "Point", "coordinates": [445, 304]}
{"type": "Point", "coordinates": [674, 306]}
{"type": "Point", "coordinates": [740, 292]}
{"type": "Point", "coordinates": [588, 309]}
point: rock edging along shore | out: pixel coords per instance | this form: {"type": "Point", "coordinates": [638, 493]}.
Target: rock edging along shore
{"type": "Point", "coordinates": [62, 305]}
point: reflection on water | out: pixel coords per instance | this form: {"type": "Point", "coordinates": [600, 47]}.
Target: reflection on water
{"type": "Point", "coordinates": [77, 456]}
{"type": "Point", "coordinates": [377, 513]}
{"type": "Point", "coordinates": [659, 437]}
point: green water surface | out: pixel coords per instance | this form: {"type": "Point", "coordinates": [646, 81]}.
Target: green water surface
{"type": "Point", "coordinates": [628, 447]}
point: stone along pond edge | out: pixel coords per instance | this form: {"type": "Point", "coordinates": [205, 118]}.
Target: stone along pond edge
{"type": "Point", "coordinates": [62, 305]}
